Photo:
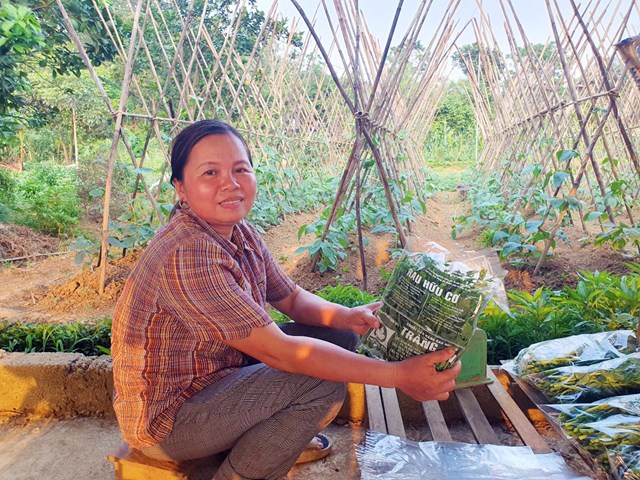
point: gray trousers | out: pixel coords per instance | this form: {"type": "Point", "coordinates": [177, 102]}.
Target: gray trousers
{"type": "Point", "coordinates": [262, 416]}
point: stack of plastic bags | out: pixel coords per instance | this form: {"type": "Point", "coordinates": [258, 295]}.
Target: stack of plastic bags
{"type": "Point", "coordinates": [603, 369]}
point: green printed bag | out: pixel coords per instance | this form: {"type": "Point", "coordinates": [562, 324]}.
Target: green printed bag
{"type": "Point", "coordinates": [427, 305]}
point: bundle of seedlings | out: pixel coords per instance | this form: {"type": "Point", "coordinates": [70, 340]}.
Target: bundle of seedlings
{"type": "Point", "coordinates": [609, 429]}
{"type": "Point", "coordinates": [585, 349]}
{"type": "Point", "coordinates": [588, 383]}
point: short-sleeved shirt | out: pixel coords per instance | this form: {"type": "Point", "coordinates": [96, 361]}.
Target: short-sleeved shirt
{"type": "Point", "coordinates": [190, 290]}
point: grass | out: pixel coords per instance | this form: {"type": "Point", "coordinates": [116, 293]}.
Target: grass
{"type": "Point", "coordinates": [448, 177]}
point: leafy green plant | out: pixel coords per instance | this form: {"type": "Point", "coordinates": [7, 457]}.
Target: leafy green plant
{"type": "Point", "coordinates": [346, 295]}
{"type": "Point", "coordinates": [600, 301]}
{"type": "Point", "coordinates": [8, 186]}
{"type": "Point", "coordinates": [619, 236]}
{"type": "Point", "coordinates": [86, 250]}
{"type": "Point", "coordinates": [375, 214]}
{"type": "Point", "coordinates": [511, 232]}
{"type": "Point", "coordinates": [52, 337]}
{"type": "Point", "coordinates": [46, 198]}
{"type": "Point", "coordinates": [335, 243]}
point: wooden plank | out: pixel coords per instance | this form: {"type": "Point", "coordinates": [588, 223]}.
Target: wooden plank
{"type": "Point", "coordinates": [475, 417]}
{"type": "Point", "coordinates": [375, 409]}
{"type": "Point", "coordinates": [395, 425]}
{"type": "Point", "coordinates": [435, 420]}
{"type": "Point", "coordinates": [130, 464]}
{"type": "Point", "coordinates": [533, 393]}
{"type": "Point", "coordinates": [520, 422]}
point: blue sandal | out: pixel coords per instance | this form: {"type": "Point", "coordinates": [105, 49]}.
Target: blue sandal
{"type": "Point", "coordinates": [317, 449]}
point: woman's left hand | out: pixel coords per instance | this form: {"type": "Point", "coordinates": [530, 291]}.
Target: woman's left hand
{"type": "Point", "coordinates": [360, 319]}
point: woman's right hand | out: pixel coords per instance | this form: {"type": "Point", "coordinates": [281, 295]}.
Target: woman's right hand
{"type": "Point", "coordinates": [417, 376]}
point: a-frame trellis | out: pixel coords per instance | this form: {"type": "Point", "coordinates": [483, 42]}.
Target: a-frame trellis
{"type": "Point", "coordinates": [379, 107]}
{"type": "Point", "coordinates": [573, 96]}
{"type": "Point", "coordinates": [180, 66]}
{"type": "Point", "coordinates": [190, 73]}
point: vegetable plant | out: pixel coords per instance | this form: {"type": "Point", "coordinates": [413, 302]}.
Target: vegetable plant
{"type": "Point", "coordinates": [53, 337]}
{"type": "Point", "coordinates": [601, 301]}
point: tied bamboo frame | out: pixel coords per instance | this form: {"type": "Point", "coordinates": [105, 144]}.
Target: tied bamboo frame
{"type": "Point", "coordinates": [579, 96]}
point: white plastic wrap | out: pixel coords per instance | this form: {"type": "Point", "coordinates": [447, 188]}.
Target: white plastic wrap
{"type": "Point", "coordinates": [583, 349]}
{"type": "Point", "coordinates": [386, 457]}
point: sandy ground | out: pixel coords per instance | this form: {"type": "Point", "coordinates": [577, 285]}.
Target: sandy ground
{"type": "Point", "coordinates": [77, 448]}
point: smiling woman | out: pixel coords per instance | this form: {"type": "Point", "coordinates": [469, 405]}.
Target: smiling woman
{"type": "Point", "coordinates": [217, 181]}
{"type": "Point", "coordinates": [199, 365]}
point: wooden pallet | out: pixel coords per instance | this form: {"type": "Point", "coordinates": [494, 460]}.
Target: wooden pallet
{"type": "Point", "coordinates": [537, 398]}
{"type": "Point", "coordinates": [385, 416]}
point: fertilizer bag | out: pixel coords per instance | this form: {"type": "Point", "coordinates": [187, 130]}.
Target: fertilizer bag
{"type": "Point", "coordinates": [428, 304]}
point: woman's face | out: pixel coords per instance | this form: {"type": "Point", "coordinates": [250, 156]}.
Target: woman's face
{"type": "Point", "coordinates": [218, 182]}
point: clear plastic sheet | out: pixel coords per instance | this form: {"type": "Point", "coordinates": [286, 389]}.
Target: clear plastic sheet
{"type": "Point", "coordinates": [576, 350]}
{"type": "Point", "coordinates": [386, 457]}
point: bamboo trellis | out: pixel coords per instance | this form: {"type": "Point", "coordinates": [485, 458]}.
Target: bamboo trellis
{"type": "Point", "coordinates": [176, 71]}
{"type": "Point", "coordinates": [578, 97]}
{"type": "Point", "coordinates": [180, 66]}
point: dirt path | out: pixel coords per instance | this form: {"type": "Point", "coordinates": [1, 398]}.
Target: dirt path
{"type": "Point", "coordinates": [55, 289]}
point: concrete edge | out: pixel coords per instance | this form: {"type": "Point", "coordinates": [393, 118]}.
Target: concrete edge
{"type": "Point", "coordinates": [71, 384]}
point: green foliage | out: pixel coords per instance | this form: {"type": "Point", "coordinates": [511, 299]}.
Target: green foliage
{"type": "Point", "coordinates": [333, 247]}
{"type": "Point", "coordinates": [346, 295]}
{"type": "Point", "coordinates": [374, 213]}
{"type": "Point", "coordinates": [20, 35]}
{"type": "Point", "coordinates": [52, 337]}
{"type": "Point", "coordinates": [281, 192]}
{"type": "Point", "coordinates": [450, 137]}
{"type": "Point", "coordinates": [8, 184]}
{"type": "Point", "coordinates": [33, 37]}
{"type": "Point", "coordinates": [46, 199]}
{"type": "Point", "coordinates": [508, 231]}
{"type": "Point", "coordinates": [600, 302]}
{"type": "Point", "coordinates": [137, 226]}
{"type": "Point", "coordinates": [469, 57]}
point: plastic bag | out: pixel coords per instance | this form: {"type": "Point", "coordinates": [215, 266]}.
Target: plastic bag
{"type": "Point", "coordinates": [429, 304]}
{"type": "Point", "coordinates": [604, 427]}
{"type": "Point", "coordinates": [575, 350]}
{"type": "Point", "coordinates": [582, 384]}
{"type": "Point", "coordinates": [386, 457]}
{"type": "Point", "coordinates": [624, 462]}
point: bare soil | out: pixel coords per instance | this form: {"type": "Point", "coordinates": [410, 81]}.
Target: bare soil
{"type": "Point", "coordinates": [54, 289]}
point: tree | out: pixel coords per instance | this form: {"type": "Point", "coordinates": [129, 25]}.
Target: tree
{"type": "Point", "coordinates": [32, 38]}
{"type": "Point", "coordinates": [468, 56]}
{"type": "Point", "coordinates": [453, 127]}
{"type": "Point", "coordinates": [20, 36]}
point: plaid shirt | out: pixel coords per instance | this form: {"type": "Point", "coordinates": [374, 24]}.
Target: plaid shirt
{"type": "Point", "coordinates": [190, 290]}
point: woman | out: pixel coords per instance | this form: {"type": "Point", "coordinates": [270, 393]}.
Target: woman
{"type": "Point", "coordinates": [200, 367]}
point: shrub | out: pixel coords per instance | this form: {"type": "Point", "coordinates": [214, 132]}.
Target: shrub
{"type": "Point", "coordinates": [46, 198]}
{"type": "Point", "coordinates": [600, 302]}
{"type": "Point", "coordinates": [53, 337]}
{"type": "Point", "coordinates": [7, 192]}
{"type": "Point", "coordinates": [346, 295]}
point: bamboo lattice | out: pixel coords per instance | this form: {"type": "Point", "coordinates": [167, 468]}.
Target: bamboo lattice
{"type": "Point", "coordinates": [354, 99]}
